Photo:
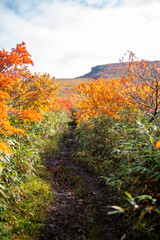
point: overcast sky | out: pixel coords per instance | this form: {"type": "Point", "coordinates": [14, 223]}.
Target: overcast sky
{"type": "Point", "coordinates": [68, 37]}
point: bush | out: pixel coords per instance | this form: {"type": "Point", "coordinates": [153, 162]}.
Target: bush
{"type": "Point", "coordinates": [124, 155]}
{"type": "Point", "coordinates": [25, 187]}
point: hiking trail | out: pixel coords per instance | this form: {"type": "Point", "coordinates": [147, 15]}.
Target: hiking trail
{"type": "Point", "coordinates": [79, 210]}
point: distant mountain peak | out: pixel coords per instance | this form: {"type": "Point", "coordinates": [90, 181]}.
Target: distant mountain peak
{"type": "Point", "coordinates": [112, 70]}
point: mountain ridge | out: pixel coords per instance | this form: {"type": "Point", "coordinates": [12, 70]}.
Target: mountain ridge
{"type": "Point", "coordinates": [108, 70]}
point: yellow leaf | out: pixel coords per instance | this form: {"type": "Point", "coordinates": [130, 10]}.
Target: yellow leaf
{"type": "Point", "coordinates": [117, 208]}
{"type": "Point", "coordinates": [5, 149]}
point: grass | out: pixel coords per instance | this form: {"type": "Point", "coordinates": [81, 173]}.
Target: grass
{"type": "Point", "coordinates": [124, 156]}
{"type": "Point", "coordinates": [25, 189]}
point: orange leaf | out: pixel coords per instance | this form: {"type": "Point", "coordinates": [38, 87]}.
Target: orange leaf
{"type": "Point", "coordinates": [158, 144]}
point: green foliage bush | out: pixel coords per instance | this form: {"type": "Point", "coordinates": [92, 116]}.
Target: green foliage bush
{"type": "Point", "coordinates": [124, 155]}
{"type": "Point", "coordinates": [25, 189]}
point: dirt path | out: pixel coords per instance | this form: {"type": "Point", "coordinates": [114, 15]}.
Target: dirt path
{"type": "Point", "coordinates": [81, 205]}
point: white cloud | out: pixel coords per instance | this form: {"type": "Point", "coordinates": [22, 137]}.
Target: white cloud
{"type": "Point", "coordinates": [66, 39]}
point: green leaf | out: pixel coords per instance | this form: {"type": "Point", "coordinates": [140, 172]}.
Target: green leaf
{"type": "Point", "coordinates": [2, 187]}
{"type": "Point", "coordinates": [151, 140]}
{"type": "Point", "coordinates": [113, 212]}
{"type": "Point", "coordinates": [3, 194]}
{"type": "Point", "coordinates": [145, 197]}
{"type": "Point", "coordinates": [131, 200]}
{"type": "Point", "coordinates": [129, 196]}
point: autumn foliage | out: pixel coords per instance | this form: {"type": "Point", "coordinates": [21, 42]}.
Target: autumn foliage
{"type": "Point", "coordinates": [126, 153]}
{"type": "Point", "coordinates": [26, 129]}
{"type": "Point", "coordinates": [137, 89]}
{"type": "Point", "coordinates": [117, 137]}
{"type": "Point", "coordinates": [17, 58]}
{"type": "Point", "coordinates": [98, 97]}
{"type": "Point", "coordinates": [140, 85]}
{"type": "Point", "coordinates": [64, 103]}
{"type": "Point", "coordinates": [23, 95]}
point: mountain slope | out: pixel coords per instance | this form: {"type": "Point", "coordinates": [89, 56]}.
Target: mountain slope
{"type": "Point", "coordinates": [113, 70]}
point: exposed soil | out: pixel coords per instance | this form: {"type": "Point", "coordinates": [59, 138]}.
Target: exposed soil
{"type": "Point", "coordinates": [81, 204]}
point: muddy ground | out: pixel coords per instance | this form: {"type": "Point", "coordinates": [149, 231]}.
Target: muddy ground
{"type": "Point", "coordinates": [80, 209]}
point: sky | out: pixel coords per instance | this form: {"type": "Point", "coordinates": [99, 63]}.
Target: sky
{"type": "Point", "coordinates": [68, 37]}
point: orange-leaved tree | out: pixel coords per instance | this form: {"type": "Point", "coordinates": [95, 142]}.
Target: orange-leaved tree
{"type": "Point", "coordinates": [138, 89]}
{"type": "Point", "coordinates": [22, 93]}
{"type": "Point", "coordinates": [18, 57]}
{"type": "Point", "coordinates": [32, 93]}
{"type": "Point", "coordinates": [98, 97]}
{"type": "Point", "coordinates": [140, 85]}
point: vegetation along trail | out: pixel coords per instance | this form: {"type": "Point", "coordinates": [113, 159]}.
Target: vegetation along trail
{"type": "Point", "coordinates": [81, 205]}
{"type": "Point", "coordinates": [89, 181]}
